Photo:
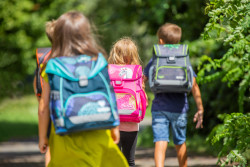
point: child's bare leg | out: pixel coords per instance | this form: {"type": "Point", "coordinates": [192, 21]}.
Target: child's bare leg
{"type": "Point", "coordinates": [160, 151]}
{"type": "Point", "coordinates": [182, 154]}
{"type": "Point", "coordinates": [47, 157]}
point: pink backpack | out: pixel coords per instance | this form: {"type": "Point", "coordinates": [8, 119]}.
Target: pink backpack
{"type": "Point", "coordinates": [131, 99]}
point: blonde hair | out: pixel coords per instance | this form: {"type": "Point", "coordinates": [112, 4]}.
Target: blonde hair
{"type": "Point", "coordinates": [124, 51]}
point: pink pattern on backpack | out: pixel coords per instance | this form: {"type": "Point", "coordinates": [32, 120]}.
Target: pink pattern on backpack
{"type": "Point", "coordinates": [131, 98]}
{"type": "Point", "coordinates": [125, 101]}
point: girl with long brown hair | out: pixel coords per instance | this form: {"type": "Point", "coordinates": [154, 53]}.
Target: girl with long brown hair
{"type": "Point", "coordinates": [72, 37]}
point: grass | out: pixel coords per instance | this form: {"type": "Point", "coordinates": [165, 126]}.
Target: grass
{"type": "Point", "coordinates": [18, 118]}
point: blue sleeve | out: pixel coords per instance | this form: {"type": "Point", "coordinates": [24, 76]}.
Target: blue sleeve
{"type": "Point", "coordinates": [146, 70]}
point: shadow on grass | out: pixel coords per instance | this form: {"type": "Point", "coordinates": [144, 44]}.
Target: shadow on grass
{"type": "Point", "coordinates": [17, 131]}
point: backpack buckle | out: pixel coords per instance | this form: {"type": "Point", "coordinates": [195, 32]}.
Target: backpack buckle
{"type": "Point", "coordinates": [83, 81]}
{"type": "Point", "coordinates": [118, 84]}
{"type": "Point", "coordinates": [171, 59]}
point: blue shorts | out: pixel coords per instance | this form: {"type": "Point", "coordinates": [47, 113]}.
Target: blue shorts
{"type": "Point", "coordinates": [161, 120]}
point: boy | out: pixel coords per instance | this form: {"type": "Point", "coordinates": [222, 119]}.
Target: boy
{"type": "Point", "coordinates": [171, 108]}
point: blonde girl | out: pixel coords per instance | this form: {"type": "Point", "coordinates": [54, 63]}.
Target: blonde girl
{"type": "Point", "coordinates": [96, 148]}
{"type": "Point", "coordinates": [125, 52]}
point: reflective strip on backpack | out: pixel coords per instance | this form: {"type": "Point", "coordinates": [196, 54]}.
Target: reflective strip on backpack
{"type": "Point", "coordinates": [89, 118]}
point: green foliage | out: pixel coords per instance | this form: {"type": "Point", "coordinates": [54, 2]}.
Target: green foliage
{"type": "Point", "coordinates": [229, 23]}
{"type": "Point", "coordinates": [150, 96]}
{"type": "Point", "coordinates": [22, 28]}
{"type": "Point", "coordinates": [232, 138]}
{"type": "Point", "coordinates": [145, 137]}
{"type": "Point", "coordinates": [141, 19]}
{"type": "Point", "coordinates": [216, 96]}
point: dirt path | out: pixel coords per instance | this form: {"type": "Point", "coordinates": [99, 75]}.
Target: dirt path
{"type": "Point", "coordinates": [145, 158]}
{"type": "Point", "coordinates": [20, 154]}
{"type": "Point", "coordinates": [26, 154]}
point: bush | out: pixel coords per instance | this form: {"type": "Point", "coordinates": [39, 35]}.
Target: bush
{"type": "Point", "coordinates": [233, 139]}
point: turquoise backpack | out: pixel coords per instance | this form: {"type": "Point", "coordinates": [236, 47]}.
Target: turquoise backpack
{"type": "Point", "coordinates": [81, 97]}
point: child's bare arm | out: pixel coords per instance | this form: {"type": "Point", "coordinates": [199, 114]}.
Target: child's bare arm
{"type": "Point", "coordinates": [34, 84]}
{"type": "Point", "coordinates": [115, 134]}
{"type": "Point", "coordinates": [43, 117]}
{"type": "Point", "coordinates": [145, 79]}
{"type": "Point", "coordinates": [198, 117]}
{"type": "Point", "coordinates": [34, 87]}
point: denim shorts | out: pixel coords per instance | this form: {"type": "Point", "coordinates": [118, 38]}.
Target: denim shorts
{"type": "Point", "coordinates": [161, 120]}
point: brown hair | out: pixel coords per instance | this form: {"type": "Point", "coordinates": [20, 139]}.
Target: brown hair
{"type": "Point", "coordinates": [49, 29]}
{"type": "Point", "coordinates": [124, 51]}
{"type": "Point", "coordinates": [73, 36]}
{"type": "Point", "coordinates": [169, 33]}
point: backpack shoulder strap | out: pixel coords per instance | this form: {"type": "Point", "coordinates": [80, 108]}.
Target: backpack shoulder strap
{"type": "Point", "coordinates": [156, 50]}
{"type": "Point", "coordinates": [42, 54]}
{"type": "Point", "coordinates": [185, 49]}
{"type": "Point", "coordinates": [137, 71]}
